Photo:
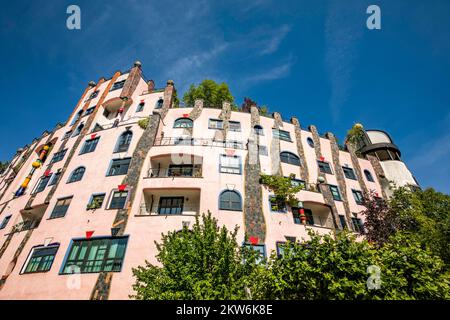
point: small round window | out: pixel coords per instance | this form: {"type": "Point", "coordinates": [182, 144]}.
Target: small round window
{"type": "Point", "coordinates": [310, 142]}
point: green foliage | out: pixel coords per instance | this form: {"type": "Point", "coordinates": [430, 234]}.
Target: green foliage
{"type": "Point", "coordinates": [143, 123]}
{"type": "Point", "coordinates": [355, 136]}
{"type": "Point", "coordinates": [212, 94]}
{"type": "Point", "coordinates": [203, 263]}
{"type": "Point", "coordinates": [282, 188]}
{"type": "Point", "coordinates": [337, 269]}
{"type": "Point", "coordinates": [425, 215]}
{"type": "Point", "coordinates": [3, 166]}
{"type": "Point", "coordinates": [263, 110]}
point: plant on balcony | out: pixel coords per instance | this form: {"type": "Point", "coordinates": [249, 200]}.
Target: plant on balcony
{"type": "Point", "coordinates": [143, 123]}
{"type": "Point", "coordinates": [95, 204]}
{"type": "Point", "coordinates": [3, 166]}
{"type": "Point", "coordinates": [202, 262]}
{"type": "Point", "coordinates": [283, 188]}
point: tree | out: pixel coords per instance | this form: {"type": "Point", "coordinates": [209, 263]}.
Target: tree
{"type": "Point", "coordinates": [425, 215]}
{"type": "Point", "coordinates": [212, 94]}
{"type": "Point", "coordinates": [342, 268]}
{"type": "Point", "coordinates": [203, 263]}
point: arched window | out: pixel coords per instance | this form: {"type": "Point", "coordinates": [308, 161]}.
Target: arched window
{"type": "Point", "coordinates": [258, 130]}
{"type": "Point", "coordinates": [310, 142]}
{"type": "Point", "coordinates": [183, 123]}
{"type": "Point", "coordinates": [77, 174]}
{"type": "Point", "coordinates": [159, 103]}
{"type": "Point", "coordinates": [124, 141]}
{"type": "Point", "coordinates": [368, 175]}
{"type": "Point", "coordinates": [140, 107]}
{"type": "Point", "coordinates": [230, 200]}
{"type": "Point", "coordinates": [288, 157]}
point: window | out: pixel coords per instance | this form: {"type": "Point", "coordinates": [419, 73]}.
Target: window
{"type": "Point", "coordinates": [41, 259]}
{"type": "Point", "coordinates": [290, 158]}
{"type": "Point", "coordinates": [358, 225]}
{"type": "Point", "coordinates": [170, 205]}
{"type": "Point", "coordinates": [358, 196]}
{"type": "Point", "coordinates": [95, 255]}
{"type": "Point", "coordinates": [42, 184]}
{"type": "Point", "coordinates": [233, 144]}
{"type": "Point", "coordinates": [308, 215]}
{"type": "Point", "coordinates": [140, 107]}
{"type": "Point", "coordinates": [280, 248]}
{"type": "Point", "coordinates": [58, 156]}
{"type": "Point", "coordinates": [96, 201]}
{"type": "Point", "coordinates": [368, 175]}
{"type": "Point", "coordinates": [335, 193]}
{"type": "Point", "coordinates": [181, 170]}
{"type": "Point", "coordinates": [117, 85]}
{"type": "Point", "coordinates": [276, 205]}
{"type": "Point", "coordinates": [342, 221]}
{"type": "Point", "coordinates": [89, 145]}
{"type": "Point", "coordinates": [324, 167]}
{"type": "Point", "coordinates": [159, 103]}
{"type": "Point", "coordinates": [55, 178]}
{"type": "Point", "coordinates": [67, 135]}
{"type": "Point", "coordinates": [230, 164]}
{"type": "Point", "coordinates": [215, 124]}
{"type": "Point", "coordinates": [282, 135]}
{"type": "Point", "coordinates": [234, 126]}
{"type": "Point", "coordinates": [298, 183]}
{"type": "Point", "coordinates": [76, 175]}
{"type": "Point", "coordinates": [5, 222]}
{"type": "Point", "coordinates": [349, 173]}
{"type": "Point", "coordinates": [261, 249]}
{"type": "Point", "coordinates": [124, 141]}
{"type": "Point", "coordinates": [183, 123]}
{"type": "Point", "coordinates": [60, 208]}
{"type": "Point", "coordinates": [310, 142]}
{"type": "Point", "coordinates": [258, 130]}
{"type": "Point", "coordinates": [77, 116]}
{"type": "Point", "coordinates": [78, 130]}
{"type": "Point", "coordinates": [230, 200]}
{"type": "Point", "coordinates": [118, 200]}
{"type": "Point", "coordinates": [119, 167]}
{"type": "Point", "coordinates": [94, 94]}
{"type": "Point", "coordinates": [89, 111]}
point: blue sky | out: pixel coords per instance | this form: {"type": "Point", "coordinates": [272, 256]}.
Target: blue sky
{"type": "Point", "coordinates": [314, 59]}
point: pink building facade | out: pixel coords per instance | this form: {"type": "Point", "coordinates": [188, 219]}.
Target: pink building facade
{"type": "Point", "coordinates": [84, 203]}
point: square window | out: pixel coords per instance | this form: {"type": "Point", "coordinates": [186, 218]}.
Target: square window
{"type": "Point", "coordinates": [358, 196]}
{"type": "Point", "coordinates": [335, 193]}
{"type": "Point", "coordinates": [170, 205]}
{"type": "Point", "coordinates": [5, 222]}
{"type": "Point", "coordinates": [41, 184]}
{"type": "Point", "coordinates": [117, 85]}
{"type": "Point", "coordinates": [58, 156]}
{"type": "Point", "coordinates": [89, 111]}
{"type": "Point", "coordinates": [60, 208]}
{"type": "Point", "coordinates": [324, 167]}
{"type": "Point", "coordinates": [118, 200]}
{"type": "Point", "coordinates": [277, 206]}
{"type": "Point", "coordinates": [230, 164]}
{"type": "Point", "coordinates": [234, 126]}
{"type": "Point", "coordinates": [119, 167]}
{"type": "Point", "coordinates": [96, 201]}
{"type": "Point", "coordinates": [349, 173]}
{"type": "Point", "coordinates": [215, 124]}
{"type": "Point", "coordinates": [282, 135]}
{"type": "Point", "coordinates": [89, 145]}
{"type": "Point", "coordinates": [358, 225]}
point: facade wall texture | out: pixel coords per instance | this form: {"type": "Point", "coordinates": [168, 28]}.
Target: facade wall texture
{"type": "Point", "coordinates": [169, 161]}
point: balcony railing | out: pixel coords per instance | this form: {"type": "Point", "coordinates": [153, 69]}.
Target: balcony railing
{"type": "Point", "coordinates": [185, 172]}
{"type": "Point", "coordinates": [205, 142]}
{"type": "Point", "coordinates": [145, 210]}
{"type": "Point", "coordinates": [25, 225]}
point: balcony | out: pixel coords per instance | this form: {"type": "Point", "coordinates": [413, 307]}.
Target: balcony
{"type": "Point", "coordinates": [318, 215]}
{"type": "Point", "coordinates": [204, 142]}
{"type": "Point", "coordinates": [175, 165]}
{"type": "Point", "coordinates": [170, 202]}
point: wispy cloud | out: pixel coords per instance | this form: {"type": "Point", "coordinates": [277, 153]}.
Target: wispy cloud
{"type": "Point", "coordinates": [272, 44]}
{"type": "Point", "coordinates": [274, 73]}
{"type": "Point", "coordinates": [343, 27]}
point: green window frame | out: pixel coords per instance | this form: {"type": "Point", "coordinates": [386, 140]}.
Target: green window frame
{"type": "Point", "coordinates": [324, 167]}
{"type": "Point", "coordinates": [349, 173]}
{"type": "Point", "coordinates": [335, 193]}
{"type": "Point", "coordinates": [95, 255]}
